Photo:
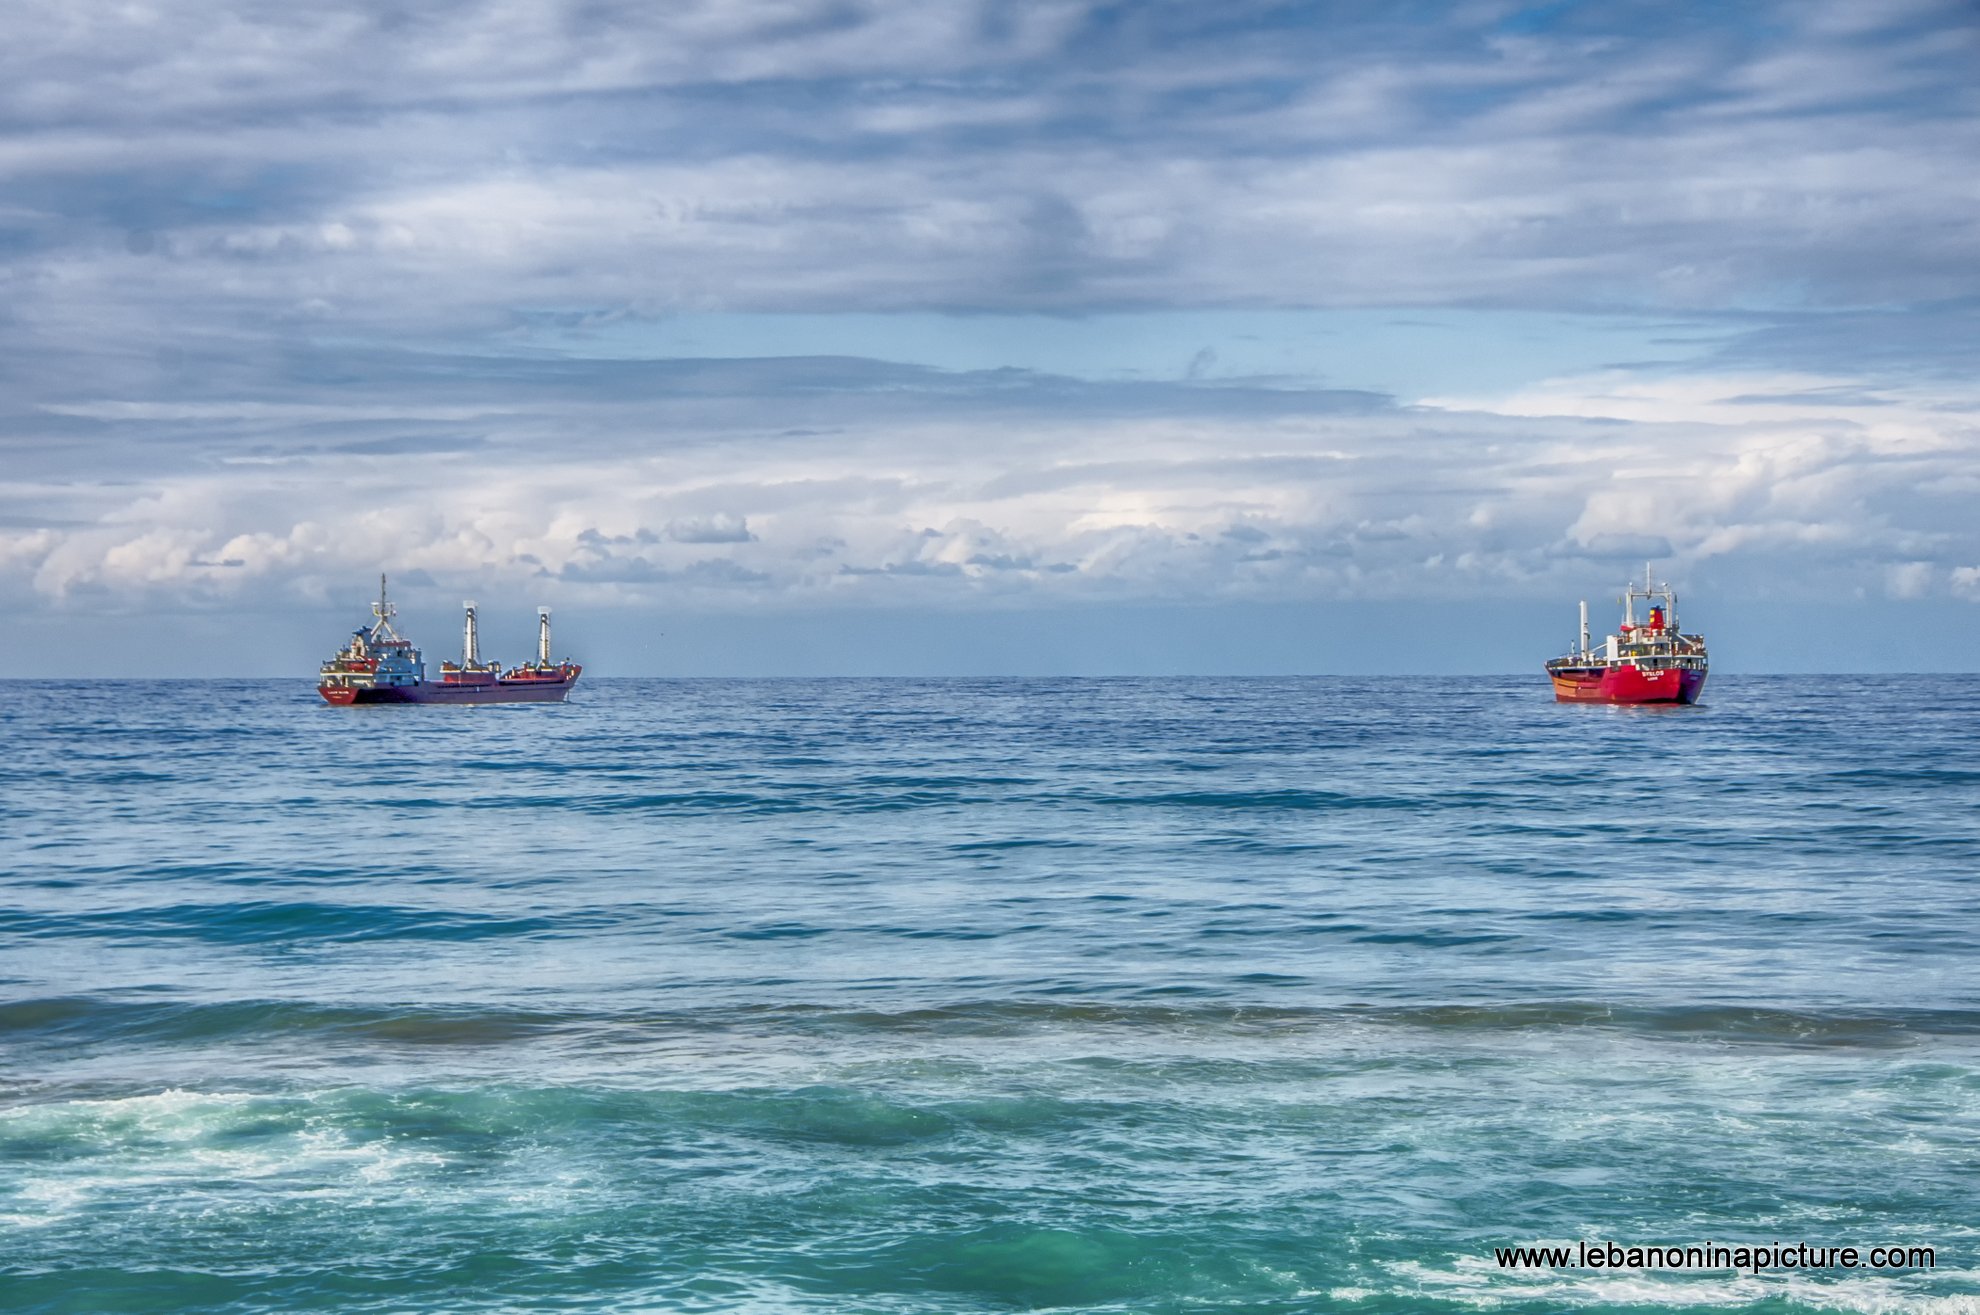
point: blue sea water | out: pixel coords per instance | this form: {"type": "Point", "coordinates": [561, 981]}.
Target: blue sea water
{"type": "Point", "coordinates": [960, 996]}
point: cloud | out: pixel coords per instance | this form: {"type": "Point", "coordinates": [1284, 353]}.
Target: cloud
{"type": "Point", "coordinates": [290, 293]}
{"type": "Point", "coordinates": [957, 490]}
{"type": "Point", "coordinates": [719, 528]}
{"type": "Point", "coordinates": [378, 171]}
{"type": "Point", "coordinates": [1908, 579]}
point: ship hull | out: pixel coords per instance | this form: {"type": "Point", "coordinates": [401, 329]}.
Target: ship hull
{"type": "Point", "coordinates": [1625, 684]}
{"type": "Point", "coordinates": [435, 691]}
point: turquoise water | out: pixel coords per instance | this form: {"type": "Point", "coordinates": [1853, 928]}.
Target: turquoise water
{"type": "Point", "coordinates": [957, 996]}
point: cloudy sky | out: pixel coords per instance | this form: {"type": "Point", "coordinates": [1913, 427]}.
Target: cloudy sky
{"type": "Point", "coordinates": [925, 335]}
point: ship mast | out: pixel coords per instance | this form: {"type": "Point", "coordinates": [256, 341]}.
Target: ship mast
{"type": "Point", "coordinates": [470, 640]}
{"type": "Point", "coordinates": [383, 610]}
{"type": "Point", "coordinates": [1583, 650]}
{"type": "Point", "coordinates": [1650, 593]}
{"type": "Point", "coordinates": [543, 636]}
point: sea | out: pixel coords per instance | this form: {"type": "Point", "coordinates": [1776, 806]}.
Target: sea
{"type": "Point", "coordinates": [927, 996]}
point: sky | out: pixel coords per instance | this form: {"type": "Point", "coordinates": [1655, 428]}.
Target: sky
{"type": "Point", "coordinates": [782, 337]}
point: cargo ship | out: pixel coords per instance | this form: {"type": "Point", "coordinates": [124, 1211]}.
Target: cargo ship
{"type": "Point", "coordinates": [1650, 661]}
{"type": "Point", "coordinates": [380, 666]}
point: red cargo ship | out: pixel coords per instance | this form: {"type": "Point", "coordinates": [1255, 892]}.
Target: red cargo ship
{"type": "Point", "coordinates": [1645, 662]}
{"type": "Point", "coordinates": [378, 666]}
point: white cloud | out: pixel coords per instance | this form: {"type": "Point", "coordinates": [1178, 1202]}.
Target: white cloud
{"type": "Point", "coordinates": [958, 497]}
{"type": "Point", "coordinates": [719, 528]}
{"type": "Point", "coordinates": [1908, 579]}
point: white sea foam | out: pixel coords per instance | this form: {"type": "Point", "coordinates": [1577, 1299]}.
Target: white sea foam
{"type": "Point", "coordinates": [1479, 1282]}
{"type": "Point", "coordinates": [174, 1144]}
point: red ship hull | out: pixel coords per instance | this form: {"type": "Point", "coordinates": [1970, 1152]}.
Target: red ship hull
{"type": "Point", "coordinates": [1625, 684]}
{"type": "Point", "coordinates": [526, 689]}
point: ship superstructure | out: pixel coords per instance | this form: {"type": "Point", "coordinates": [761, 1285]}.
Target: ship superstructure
{"type": "Point", "coordinates": [379, 665]}
{"type": "Point", "coordinates": [1648, 661]}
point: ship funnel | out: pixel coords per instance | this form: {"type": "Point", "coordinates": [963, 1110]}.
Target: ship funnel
{"type": "Point", "coordinates": [543, 635]}
{"type": "Point", "coordinates": [470, 639]}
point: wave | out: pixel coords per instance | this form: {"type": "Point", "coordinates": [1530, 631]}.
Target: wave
{"type": "Point", "coordinates": [255, 922]}
{"type": "Point", "coordinates": [901, 794]}
{"type": "Point", "coordinates": [1302, 801]}
{"type": "Point", "coordinates": [831, 1197]}
{"type": "Point", "coordinates": [1476, 1284]}
{"type": "Point", "coordinates": [73, 1019]}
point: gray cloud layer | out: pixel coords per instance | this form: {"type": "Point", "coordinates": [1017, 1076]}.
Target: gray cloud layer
{"type": "Point", "coordinates": [293, 171]}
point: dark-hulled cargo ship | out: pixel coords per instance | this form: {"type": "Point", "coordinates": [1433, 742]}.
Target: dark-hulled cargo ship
{"type": "Point", "coordinates": [380, 666]}
{"type": "Point", "coordinates": [1644, 662]}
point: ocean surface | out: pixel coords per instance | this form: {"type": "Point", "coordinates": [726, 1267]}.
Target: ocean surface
{"type": "Point", "coordinates": [979, 996]}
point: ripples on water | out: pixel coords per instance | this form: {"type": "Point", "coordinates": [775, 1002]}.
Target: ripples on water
{"type": "Point", "coordinates": [932, 996]}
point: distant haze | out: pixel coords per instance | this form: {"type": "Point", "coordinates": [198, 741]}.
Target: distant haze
{"type": "Point", "coordinates": [773, 337]}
